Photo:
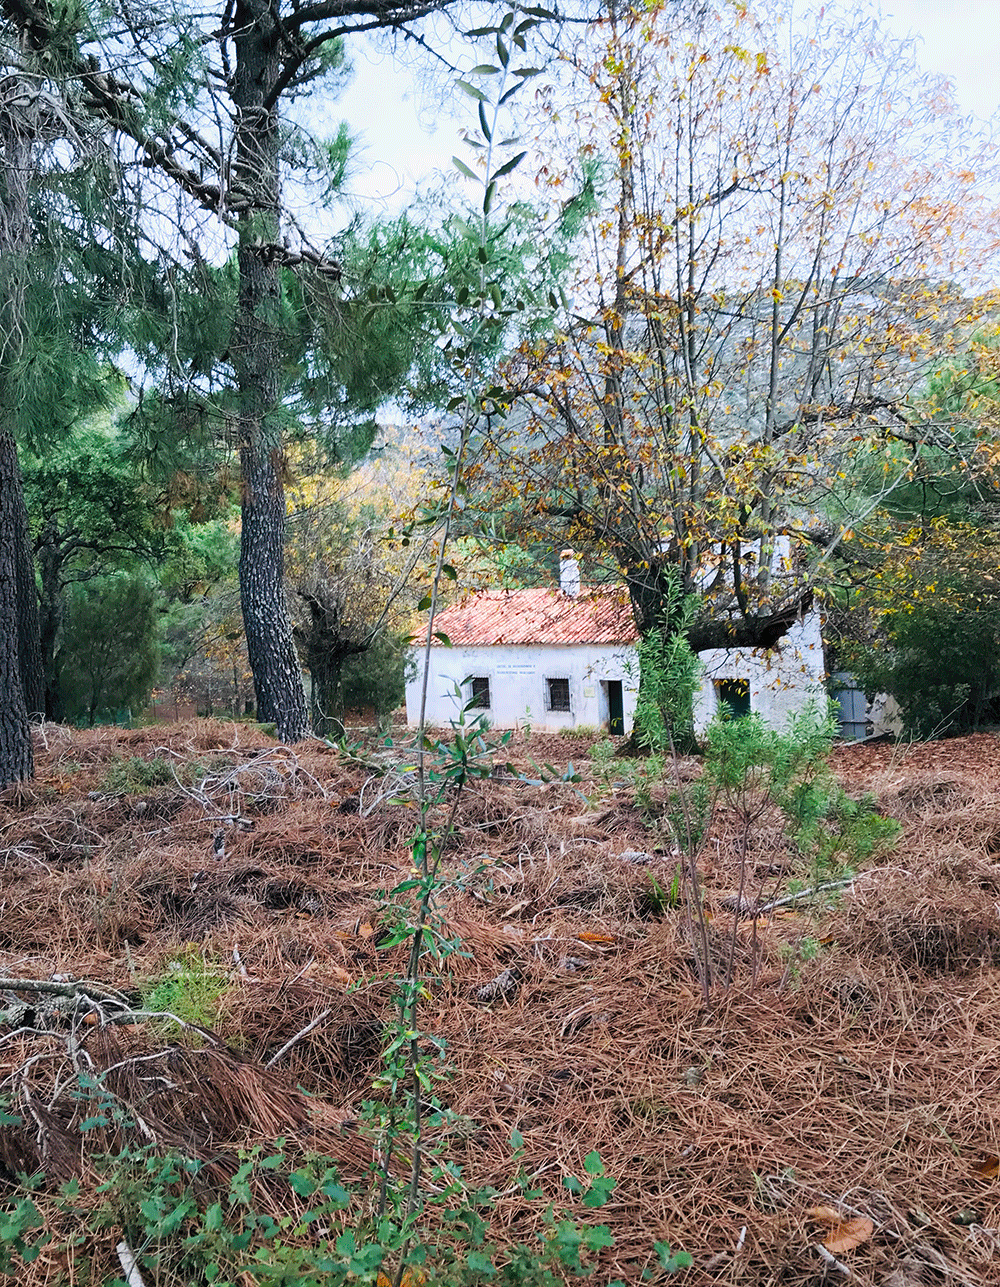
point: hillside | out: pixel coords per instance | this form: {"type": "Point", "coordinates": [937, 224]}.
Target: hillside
{"type": "Point", "coordinates": [201, 869]}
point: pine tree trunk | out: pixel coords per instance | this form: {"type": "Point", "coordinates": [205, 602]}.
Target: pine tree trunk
{"type": "Point", "coordinates": [21, 690]}
{"type": "Point", "coordinates": [16, 758]}
{"type": "Point", "coordinates": [29, 644]}
{"type": "Point", "coordinates": [257, 357]}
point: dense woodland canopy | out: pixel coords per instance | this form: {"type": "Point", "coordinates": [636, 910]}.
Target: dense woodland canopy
{"type": "Point", "coordinates": [729, 278]}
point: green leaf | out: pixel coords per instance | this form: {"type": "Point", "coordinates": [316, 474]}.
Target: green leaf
{"type": "Point", "coordinates": [491, 192]}
{"type": "Point", "coordinates": [510, 165]}
{"type": "Point", "coordinates": [671, 1262]}
{"type": "Point", "coordinates": [441, 637]}
{"type": "Point", "coordinates": [302, 1183]}
{"type": "Point", "coordinates": [338, 1195]}
{"type": "Point", "coordinates": [213, 1217]}
{"type": "Point", "coordinates": [471, 90]}
{"type": "Point", "coordinates": [484, 124]}
{"type": "Point", "coordinates": [424, 603]}
{"type": "Point", "coordinates": [394, 940]}
{"type": "Point", "coordinates": [480, 1264]}
{"type": "Point", "coordinates": [449, 571]}
{"type": "Point", "coordinates": [592, 1163]}
{"type": "Point", "coordinates": [599, 1194]}
{"type": "Point", "coordinates": [503, 53]}
{"type": "Point", "coordinates": [460, 165]}
{"type": "Point", "coordinates": [484, 69]}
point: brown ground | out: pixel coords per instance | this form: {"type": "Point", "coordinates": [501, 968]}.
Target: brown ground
{"type": "Point", "coordinates": [853, 1064]}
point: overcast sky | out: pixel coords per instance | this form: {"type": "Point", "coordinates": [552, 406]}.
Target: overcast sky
{"type": "Point", "coordinates": [407, 133]}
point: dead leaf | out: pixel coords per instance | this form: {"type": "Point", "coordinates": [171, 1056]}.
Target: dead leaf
{"type": "Point", "coordinates": [588, 936]}
{"type": "Point", "coordinates": [366, 930]}
{"type": "Point", "coordinates": [850, 1234]}
{"type": "Point", "coordinates": [844, 1235]}
{"type": "Point", "coordinates": [825, 1215]}
{"type": "Point", "coordinates": [988, 1168]}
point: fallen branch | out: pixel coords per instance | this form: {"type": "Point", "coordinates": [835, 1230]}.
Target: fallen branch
{"type": "Point", "coordinates": [832, 1260]}
{"type": "Point", "coordinates": [298, 1037]}
{"type": "Point", "coordinates": [129, 1265]}
{"type": "Point", "coordinates": [74, 988]}
{"type": "Point", "coordinates": [803, 893]}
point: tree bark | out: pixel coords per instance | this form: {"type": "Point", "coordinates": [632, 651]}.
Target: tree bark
{"type": "Point", "coordinates": [29, 646]}
{"type": "Point", "coordinates": [16, 757]}
{"type": "Point", "coordinates": [257, 359]}
{"type": "Point", "coordinates": [21, 690]}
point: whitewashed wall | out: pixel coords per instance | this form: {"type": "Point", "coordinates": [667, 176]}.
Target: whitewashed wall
{"type": "Point", "coordinates": [782, 680]}
{"type": "Point", "coordinates": [517, 676]}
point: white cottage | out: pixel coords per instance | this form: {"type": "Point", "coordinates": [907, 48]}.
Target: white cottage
{"type": "Point", "coordinates": [568, 658]}
{"type": "Point", "coordinates": [775, 682]}
{"type": "Point", "coordinates": [551, 659]}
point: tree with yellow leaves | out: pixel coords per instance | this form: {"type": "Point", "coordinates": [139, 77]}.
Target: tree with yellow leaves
{"type": "Point", "coordinates": [772, 214]}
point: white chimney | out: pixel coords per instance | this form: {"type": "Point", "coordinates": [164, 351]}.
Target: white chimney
{"type": "Point", "coordinates": [569, 574]}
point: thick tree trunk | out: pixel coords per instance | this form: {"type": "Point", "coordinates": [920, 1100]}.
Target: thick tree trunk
{"type": "Point", "coordinates": [326, 650]}
{"type": "Point", "coordinates": [276, 672]}
{"type": "Point", "coordinates": [16, 758]}
{"type": "Point", "coordinates": [758, 630]}
{"type": "Point", "coordinates": [21, 693]}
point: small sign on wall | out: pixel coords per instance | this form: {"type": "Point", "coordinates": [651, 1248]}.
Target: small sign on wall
{"type": "Point", "coordinates": [590, 691]}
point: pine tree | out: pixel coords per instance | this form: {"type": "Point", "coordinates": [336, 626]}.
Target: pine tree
{"type": "Point", "coordinates": [191, 75]}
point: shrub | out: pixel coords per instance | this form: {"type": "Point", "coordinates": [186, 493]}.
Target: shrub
{"type": "Point", "coordinates": [941, 662]}
{"type": "Point", "coordinates": [132, 774]}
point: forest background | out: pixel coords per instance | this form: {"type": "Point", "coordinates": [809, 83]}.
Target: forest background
{"type": "Point", "coordinates": [726, 276]}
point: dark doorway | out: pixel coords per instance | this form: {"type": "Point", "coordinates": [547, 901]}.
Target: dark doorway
{"type": "Point", "coordinates": [616, 709]}
{"type": "Point", "coordinates": [734, 697]}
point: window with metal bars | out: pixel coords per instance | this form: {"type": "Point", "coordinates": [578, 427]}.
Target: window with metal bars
{"type": "Point", "coordinates": [557, 694]}
{"type": "Point", "coordinates": [480, 690]}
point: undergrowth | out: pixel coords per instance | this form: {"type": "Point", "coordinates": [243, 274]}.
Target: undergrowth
{"type": "Point", "coordinates": [191, 990]}
{"type": "Point", "coordinates": [129, 775]}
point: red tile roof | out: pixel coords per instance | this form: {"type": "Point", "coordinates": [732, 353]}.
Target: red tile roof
{"type": "Point", "coordinates": [491, 617]}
